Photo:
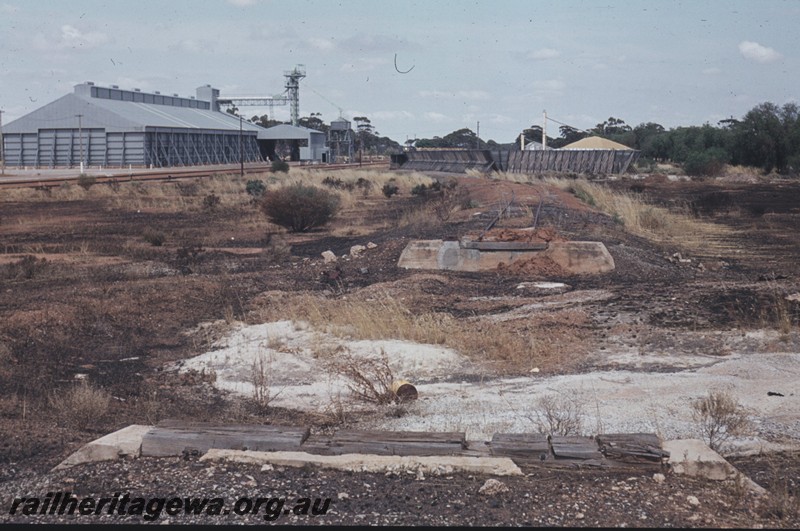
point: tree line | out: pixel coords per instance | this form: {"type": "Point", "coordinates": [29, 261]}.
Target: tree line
{"type": "Point", "coordinates": [766, 137]}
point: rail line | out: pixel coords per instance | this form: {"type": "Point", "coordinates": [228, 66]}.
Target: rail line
{"type": "Point", "coordinates": [170, 174]}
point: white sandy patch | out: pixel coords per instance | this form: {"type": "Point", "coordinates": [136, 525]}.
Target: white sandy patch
{"type": "Point", "coordinates": [455, 396]}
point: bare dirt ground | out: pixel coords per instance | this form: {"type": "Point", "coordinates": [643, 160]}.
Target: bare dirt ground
{"type": "Point", "coordinates": [98, 302]}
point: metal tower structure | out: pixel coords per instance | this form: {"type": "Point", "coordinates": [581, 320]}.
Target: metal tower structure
{"type": "Point", "coordinates": [293, 78]}
{"type": "Point", "coordinates": [290, 96]}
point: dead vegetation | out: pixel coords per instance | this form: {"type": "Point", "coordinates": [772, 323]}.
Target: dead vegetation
{"type": "Point", "coordinates": [719, 418]}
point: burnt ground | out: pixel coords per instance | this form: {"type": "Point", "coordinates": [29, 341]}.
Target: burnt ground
{"type": "Point", "coordinates": [97, 300]}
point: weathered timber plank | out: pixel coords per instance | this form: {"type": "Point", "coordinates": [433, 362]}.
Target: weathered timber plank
{"type": "Point", "coordinates": [398, 443]}
{"type": "Point", "coordinates": [504, 246]}
{"type": "Point", "coordinates": [575, 447]}
{"type": "Point", "coordinates": [525, 446]}
{"type": "Point", "coordinates": [632, 445]}
{"type": "Point", "coordinates": [172, 438]}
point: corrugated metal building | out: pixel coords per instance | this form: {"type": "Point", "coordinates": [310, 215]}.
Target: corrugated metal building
{"type": "Point", "coordinates": [314, 148]}
{"type": "Point", "coordinates": [108, 126]}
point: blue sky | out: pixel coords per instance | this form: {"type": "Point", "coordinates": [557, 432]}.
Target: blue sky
{"type": "Point", "coordinates": [498, 62]}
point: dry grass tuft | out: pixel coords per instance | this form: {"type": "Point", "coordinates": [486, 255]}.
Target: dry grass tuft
{"type": "Point", "coordinates": [80, 406]}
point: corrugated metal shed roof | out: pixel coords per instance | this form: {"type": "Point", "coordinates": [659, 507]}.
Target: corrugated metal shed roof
{"type": "Point", "coordinates": [287, 132]}
{"type": "Point", "coordinates": [116, 115]}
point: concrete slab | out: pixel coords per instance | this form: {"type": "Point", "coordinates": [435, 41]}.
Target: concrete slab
{"type": "Point", "coordinates": [693, 457]}
{"type": "Point", "coordinates": [440, 464]}
{"type": "Point", "coordinates": [575, 258]}
{"type": "Point", "coordinates": [121, 443]}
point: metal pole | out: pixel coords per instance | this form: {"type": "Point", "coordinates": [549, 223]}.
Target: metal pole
{"type": "Point", "coordinates": [80, 137]}
{"type": "Point", "coordinates": [544, 130]}
{"type": "Point", "coordinates": [241, 157]}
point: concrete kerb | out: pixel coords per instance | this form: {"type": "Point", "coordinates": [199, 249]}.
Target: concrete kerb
{"type": "Point", "coordinates": [432, 465]}
{"type": "Point", "coordinates": [693, 457]}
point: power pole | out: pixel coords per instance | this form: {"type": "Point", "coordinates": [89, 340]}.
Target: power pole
{"type": "Point", "coordinates": [80, 137]}
{"type": "Point", "coordinates": [544, 130]}
{"type": "Point", "coordinates": [241, 157]}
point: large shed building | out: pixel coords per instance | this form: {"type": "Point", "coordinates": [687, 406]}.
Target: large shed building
{"type": "Point", "coordinates": [109, 126]}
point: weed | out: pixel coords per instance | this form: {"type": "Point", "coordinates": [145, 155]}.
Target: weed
{"type": "Point", "coordinates": [261, 378]}
{"type": "Point", "coordinates": [280, 166]}
{"type": "Point", "coordinates": [369, 379]}
{"type": "Point", "coordinates": [719, 417]}
{"type": "Point", "coordinates": [558, 415]}
{"type": "Point", "coordinates": [390, 189]}
{"type": "Point", "coordinates": [26, 267]}
{"type": "Point", "coordinates": [255, 188]}
{"type": "Point", "coordinates": [86, 181]}
{"type": "Point", "coordinates": [211, 202]}
{"type": "Point", "coordinates": [154, 237]}
{"type": "Point", "coordinates": [80, 406]}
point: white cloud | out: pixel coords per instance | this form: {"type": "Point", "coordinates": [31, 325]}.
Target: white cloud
{"type": "Point", "coordinates": [458, 94]}
{"type": "Point", "coordinates": [544, 53]}
{"type": "Point", "coordinates": [71, 37]}
{"type": "Point", "coordinates": [757, 52]}
{"type": "Point", "coordinates": [436, 117]}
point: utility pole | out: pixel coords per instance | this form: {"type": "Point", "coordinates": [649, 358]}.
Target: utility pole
{"type": "Point", "coordinates": [544, 130]}
{"type": "Point", "coordinates": [478, 136]}
{"type": "Point", "coordinates": [241, 157]}
{"type": "Point", "coordinates": [80, 137]}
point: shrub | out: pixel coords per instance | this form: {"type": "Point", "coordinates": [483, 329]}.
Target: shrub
{"type": "Point", "coordinates": [558, 415]}
{"type": "Point", "coordinates": [211, 202]}
{"type": "Point", "coordinates": [390, 189]}
{"type": "Point", "coordinates": [280, 166]}
{"type": "Point", "coordinates": [26, 267]}
{"type": "Point", "coordinates": [154, 237]}
{"type": "Point", "coordinates": [300, 207]}
{"type": "Point", "coordinates": [255, 188]}
{"type": "Point", "coordinates": [419, 189]}
{"type": "Point", "coordinates": [80, 406]}
{"type": "Point", "coordinates": [86, 181]}
{"type": "Point", "coordinates": [369, 380]}
{"type": "Point", "coordinates": [719, 417]}
{"type": "Point", "coordinates": [705, 163]}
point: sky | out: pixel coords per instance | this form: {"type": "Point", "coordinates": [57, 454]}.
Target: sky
{"type": "Point", "coordinates": [419, 69]}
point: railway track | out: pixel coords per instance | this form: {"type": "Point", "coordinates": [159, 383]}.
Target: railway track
{"type": "Point", "coordinates": [168, 174]}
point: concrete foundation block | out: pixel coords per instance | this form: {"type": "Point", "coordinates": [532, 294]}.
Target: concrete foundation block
{"type": "Point", "coordinates": [574, 258]}
{"type": "Point", "coordinates": [693, 457]}
{"type": "Point", "coordinates": [121, 443]}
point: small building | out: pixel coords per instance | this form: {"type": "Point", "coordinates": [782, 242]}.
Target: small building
{"type": "Point", "coordinates": [305, 144]}
{"type": "Point", "coordinates": [109, 126]}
